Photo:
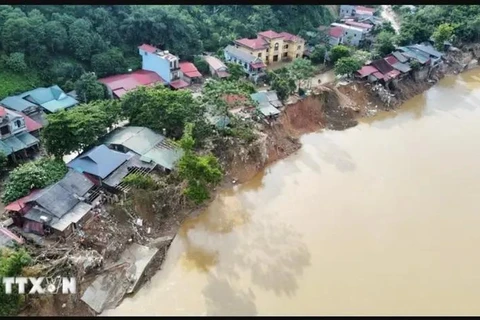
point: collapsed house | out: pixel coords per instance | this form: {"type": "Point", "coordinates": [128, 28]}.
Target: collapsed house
{"type": "Point", "coordinates": [58, 209]}
{"type": "Point", "coordinates": [268, 104]}
{"type": "Point", "coordinates": [150, 146]}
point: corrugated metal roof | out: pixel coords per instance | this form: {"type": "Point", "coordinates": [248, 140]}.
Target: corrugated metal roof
{"type": "Point", "coordinates": [240, 54]}
{"type": "Point", "coordinates": [8, 239]}
{"type": "Point", "coordinates": [367, 70]}
{"type": "Point", "coordinates": [117, 176]}
{"type": "Point", "coordinates": [400, 57]}
{"type": "Point", "coordinates": [267, 109]}
{"type": "Point", "coordinates": [27, 139]}
{"type": "Point", "coordinates": [100, 161]}
{"type": "Point", "coordinates": [73, 216]}
{"type": "Point", "coordinates": [165, 154]}
{"type": "Point", "coordinates": [428, 50]}
{"type": "Point", "coordinates": [76, 183]}
{"type": "Point", "coordinates": [137, 139]}
{"type": "Point", "coordinates": [17, 103]}
{"type": "Point", "coordinates": [189, 70]}
{"type": "Point", "coordinates": [215, 63]}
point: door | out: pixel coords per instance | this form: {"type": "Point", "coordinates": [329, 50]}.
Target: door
{"type": "Point", "coordinates": [275, 58]}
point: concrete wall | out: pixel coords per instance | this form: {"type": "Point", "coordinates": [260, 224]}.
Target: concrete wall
{"type": "Point", "coordinates": [155, 63]}
{"type": "Point", "coordinates": [421, 74]}
{"type": "Point", "coordinates": [346, 10]}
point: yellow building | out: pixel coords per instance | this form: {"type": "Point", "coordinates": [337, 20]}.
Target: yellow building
{"type": "Point", "coordinates": [272, 47]}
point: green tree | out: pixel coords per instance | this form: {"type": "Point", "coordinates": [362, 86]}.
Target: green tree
{"type": "Point", "coordinates": [3, 162]}
{"type": "Point", "coordinates": [139, 181]}
{"type": "Point", "coordinates": [300, 70]}
{"type": "Point", "coordinates": [161, 108]}
{"type": "Point", "coordinates": [109, 62]}
{"type": "Point", "coordinates": [318, 54]}
{"type": "Point", "coordinates": [88, 88]}
{"type": "Point", "coordinates": [16, 62]}
{"type": "Point", "coordinates": [76, 129]}
{"type": "Point", "coordinates": [201, 65]}
{"type": "Point", "coordinates": [236, 71]}
{"type": "Point", "coordinates": [11, 265]}
{"type": "Point", "coordinates": [443, 32]}
{"type": "Point", "coordinates": [57, 36]}
{"type": "Point", "coordinates": [81, 39]}
{"type": "Point", "coordinates": [339, 51]}
{"type": "Point", "coordinates": [384, 43]}
{"type": "Point", "coordinates": [362, 56]}
{"type": "Point", "coordinates": [347, 65]}
{"type": "Point", "coordinates": [284, 84]}
{"type": "Point", "coordinates": [200, 172]}
{"type": "Point", "coordinates": [32, 175]}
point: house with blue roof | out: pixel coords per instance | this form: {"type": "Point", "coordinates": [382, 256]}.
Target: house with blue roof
{"type": "Point", "coordinates": [48, 100]}
{"type": "Point", "coordinates": [106, 167]}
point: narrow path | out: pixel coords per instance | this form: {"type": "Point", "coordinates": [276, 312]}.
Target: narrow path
{"type": "Point", "coordinates": [389, 15]}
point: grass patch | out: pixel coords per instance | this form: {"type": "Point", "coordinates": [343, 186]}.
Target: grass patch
{"type": "Point", "coordinates": [14, 83]}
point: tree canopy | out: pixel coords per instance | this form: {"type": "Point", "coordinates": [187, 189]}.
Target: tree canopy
{"type": "Point", "coordinates": [104, 38]}
{"type": "Point", "coordinates": [32, 175]}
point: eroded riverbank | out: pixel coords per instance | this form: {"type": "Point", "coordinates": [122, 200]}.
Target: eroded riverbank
{"type": "Point", "coordinates": [378, 219]}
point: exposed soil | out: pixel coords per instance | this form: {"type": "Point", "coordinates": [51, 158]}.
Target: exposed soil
{"type": "Point", "coordinates": [164, 210]}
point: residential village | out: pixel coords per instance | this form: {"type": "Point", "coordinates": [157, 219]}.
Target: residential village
{"type": "Point", "coordinates": [97, 176]}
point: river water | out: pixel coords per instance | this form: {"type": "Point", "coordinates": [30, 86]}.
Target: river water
{"type": "Point", "coordinates": [382, 218]}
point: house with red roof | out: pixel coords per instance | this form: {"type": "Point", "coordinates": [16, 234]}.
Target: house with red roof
{"type": "Point", "coordinates": [118, 85]}
{"type": "Point", "coordinates": [271, 46]}
{"type": "Point", "coordinates": [342, 33]}
{"type": "Point", "coordinates": [190, 74]}
{"type": "Point", "coordinates": [17, 134]}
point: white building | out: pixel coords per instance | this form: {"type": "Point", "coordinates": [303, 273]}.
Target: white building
{"type": "Point", "coordinates": [351, 35]}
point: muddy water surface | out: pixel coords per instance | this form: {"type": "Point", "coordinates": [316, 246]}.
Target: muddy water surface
{"type": "Point", "coordinates": [382, 218]}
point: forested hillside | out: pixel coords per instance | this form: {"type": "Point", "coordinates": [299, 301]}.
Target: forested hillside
{"type": "Point", "coordinates": [419, 26]}
{"type": "Point", "coordinates": [46, 44]}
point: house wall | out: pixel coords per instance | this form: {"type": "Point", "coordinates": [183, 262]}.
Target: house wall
{"type": "Point", "coordinates": [244, 65]}
{"type": "Point", "coordinates": [295, 49]}
{"type": "Point", "coordinates": [352, 37]}
{"type": "Point", "coordinates": [155, 63]}
{"type": "Point", "coordinates": [186, 79]}
{"type": "Point", "coordinates": [346, 10]}
{"type": "Point", "coordinates": [275, 43]}
{"type": "Point", "coordinates": [261, 53]}
{"type": "Point", "coordinates": [334, 41]}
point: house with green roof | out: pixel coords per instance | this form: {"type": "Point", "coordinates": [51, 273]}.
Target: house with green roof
{"type": "Point", "coordinates": [46, 100]}
{"type": "Point", "coordinates": [149, 145]}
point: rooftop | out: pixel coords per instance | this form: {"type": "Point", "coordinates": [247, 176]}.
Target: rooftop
{"type": "Point", "coordinates": [270, 34]}
{"type": "Point", "coordinates": [352, 23]}
{"type": "Point", "coordinates": [122, 83]}
{"type": "Point", "coordinates": [254, 44]}
{"type": "Point", "coordinates": [214, 62]}
{"type": "Point", "coordinates": [240, 54]}
{"type": "Point", "coordinates": [367, 70]}
{"type": "Point", "coordinates": [336, 32]}
{"type": "Point", "coordinates": [100, 161]}
{"type": "Point", "coordinates": [148, 48]}
{"type": "Point", "coordinates": [146, 143]}
{"type": "Point", "coordinates": [17, 142]}
{"type": "Point", "coordinates": [189, 70]}
{"type": "Point", "coordinates": [31, 124]}
{"type": "Point", "coordinates": [51, 99]}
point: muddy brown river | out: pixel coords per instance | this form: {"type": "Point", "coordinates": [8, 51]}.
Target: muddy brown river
{"type": "Point", "coordinates": [380, 219]}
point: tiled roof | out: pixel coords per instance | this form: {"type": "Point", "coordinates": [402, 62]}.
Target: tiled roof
{"type": "Point", "coordinates": [336, 32]}
{"type": "Point", "coordinates": [189, 69]}
{"type": "Point", "coordinates": [358, 24]}
{"type": "Point", "coordinates": [252, 43]}
{"type": "Point", "coordinates": [290, 37]}
{"type": "Point", "coordinates": [270, 34]}
{"type": "Point", "coordinates": [148, 48]}
{"type": "Point", "coordinates": [364, 9]}
{"type": "Point", "coordinates": [122, 83]}
{"type": "Point", "coordinates": [20, 204]}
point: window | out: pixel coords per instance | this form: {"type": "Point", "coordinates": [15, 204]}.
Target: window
{"type": "Point", "coordinates": [267, 50]}
{"type": "Point", "coordinates": [296, 56]}
{"type": "Point", "coordinates": [4, 130]}
{"type": "Point", "coordinates": [298, 48]}
{"type": "Point", "coordinates": [354, 34]}
{"type": "Point", "coordinates": [285, 54]}
{"type": "Point", "coordinates": [276, 46]}
{"type": "Point", "coordinates": [260, 55]}
{"type": "Point", "coordinates": [18, 123]}
{"type": "Point", "coordinates": [286, 46]}
{"type": "Point", "coordinates": [275, 58]}
{"type": "Point", "coordinates": [171, 65]}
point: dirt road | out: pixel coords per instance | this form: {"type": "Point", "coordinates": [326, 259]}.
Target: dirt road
{"type": "Point", "coordinates": [389, 15]}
